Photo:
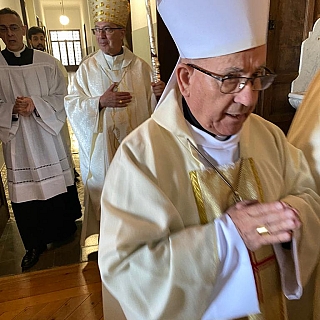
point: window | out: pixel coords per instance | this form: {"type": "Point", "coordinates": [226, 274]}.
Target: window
{"type": "Point", "coordinates": [66, 46]}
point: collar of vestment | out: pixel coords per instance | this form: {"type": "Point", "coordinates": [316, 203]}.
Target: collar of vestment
{"type": "Point", "coordinates": [219, 152]}
{"type": "Point", "coordinates": [120, 64]}
{"type": "Point", "coordinates": [18, 53]}
{"type": "Point", "coordinates": [117, 62]}
{"type": "Point", "coordinates": [114, 62]}
{"type": "Point", "coordinates": [19, 58]}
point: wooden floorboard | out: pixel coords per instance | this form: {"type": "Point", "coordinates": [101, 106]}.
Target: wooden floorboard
{"type": "Point", "coordinates": [71, 292]}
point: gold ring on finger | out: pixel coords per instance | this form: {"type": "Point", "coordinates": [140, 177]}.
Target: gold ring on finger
{"type": "Point", "coordinates": [120, 101]}
{"type": "Point", "coordinates": [262, 230]}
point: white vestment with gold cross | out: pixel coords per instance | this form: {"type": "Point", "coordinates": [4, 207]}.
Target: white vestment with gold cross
{"type": "Point", "coordinates": [99, 132]}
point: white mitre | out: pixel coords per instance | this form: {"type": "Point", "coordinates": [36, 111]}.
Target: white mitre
{"type": "Point", "coordinates": [211, 28]}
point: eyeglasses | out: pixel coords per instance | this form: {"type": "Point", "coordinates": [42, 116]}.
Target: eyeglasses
{"type": "Point", "coordinates": [232, 84]}
{"type": "Point", "coordinates": [107, 30]}
{"type": "Point", "coordinates": [13, 28]}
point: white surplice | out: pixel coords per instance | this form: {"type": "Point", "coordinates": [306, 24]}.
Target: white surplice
{"type": "Point", "coordinates": [36, 153]}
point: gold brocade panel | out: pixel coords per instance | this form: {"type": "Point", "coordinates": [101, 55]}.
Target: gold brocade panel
{"type": "Point", "coordinates": [213, 197]}
{"type": "Point", "coordinates": [208, 185]}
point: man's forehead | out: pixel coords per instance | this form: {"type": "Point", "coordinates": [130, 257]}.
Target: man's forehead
{"type": "Point", "coordinates": [38, 35]}
{"type": "Point", "coordinates": [105, 24]}
{"type": "Point", "coordinates": [239, 60]}
{"type": "Point", "coordinates": [10, 19]}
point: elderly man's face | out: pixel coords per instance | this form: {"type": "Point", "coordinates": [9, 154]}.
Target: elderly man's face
{"type": "Point", "coordinates": [37, 41]}
{"type": "Point", "coordinates": [13, 32]}
{"type": "Point", "coordinates": [109, 42]}
{"type": "Point", "coordinates": [221, 114]}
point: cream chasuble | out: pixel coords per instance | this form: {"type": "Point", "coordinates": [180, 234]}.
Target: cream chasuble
{"type": "Point", "coordinates": [304, 133]}
{"type": "Point", "coordinates": [159, 242]}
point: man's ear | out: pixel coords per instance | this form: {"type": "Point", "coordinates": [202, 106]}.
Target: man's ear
{"type": "Point", "coordinates": [123, 33]}
{"type": "Point", "coordinates": [24, 30]}
{"type": "Point", "coordinates": [184, 73]}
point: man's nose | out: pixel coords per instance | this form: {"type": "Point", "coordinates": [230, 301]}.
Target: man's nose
{"type": "Point", "coordinates": [9, 32]}
{"type": "Point", "coordinates": [247, 96]}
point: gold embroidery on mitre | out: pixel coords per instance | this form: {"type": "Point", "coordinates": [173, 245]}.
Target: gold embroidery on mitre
{"type": "Point", "coordinates": [115, 11]}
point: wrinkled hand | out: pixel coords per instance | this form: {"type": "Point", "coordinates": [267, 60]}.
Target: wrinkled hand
{"type": "Point", "coordinates": [278, 217]}
{"type": "Point", "coordinates": [24, 106]}
{"type": "Point", "coordinates": [114, 99]}
{"type": "Point", "coordinates": [158, 88]}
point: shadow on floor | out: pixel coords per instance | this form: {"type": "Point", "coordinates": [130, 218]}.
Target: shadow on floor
{"type": "Point", "coordinates": [12, 252]}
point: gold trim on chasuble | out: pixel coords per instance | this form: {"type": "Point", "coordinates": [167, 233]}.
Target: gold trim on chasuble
{"type": "Point", "coordinates": [213, 197]}
{"type": "Point", "coordinates": [121, 117]}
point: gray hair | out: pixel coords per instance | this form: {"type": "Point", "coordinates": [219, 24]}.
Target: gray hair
{"type": "Point", "coordinates": [10, 11]}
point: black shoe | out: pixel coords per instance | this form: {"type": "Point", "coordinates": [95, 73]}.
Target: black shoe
{"type": "Point", "coordinates": [76, 176]}
{"type": "Point", "coordinates": [32, 257]}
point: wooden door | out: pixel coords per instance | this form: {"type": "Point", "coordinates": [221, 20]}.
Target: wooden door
{"type": "Point", "coordinates": [288, 24]}
{"type": "Point", "coordinates": [167, 51]}
{"type": "Point", "coordinates": [4, 212]}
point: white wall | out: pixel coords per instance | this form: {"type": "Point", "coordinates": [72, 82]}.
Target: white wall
{"type": "Point", "coordinates": [52, 18]}
{"type": "Point", "coordinates": [78, 16]}
{"type": "Point", "coordinates": [12, 4]}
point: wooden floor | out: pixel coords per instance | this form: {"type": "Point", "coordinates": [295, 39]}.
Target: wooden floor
{"type": "Point", "coordinates": [71, 292]}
